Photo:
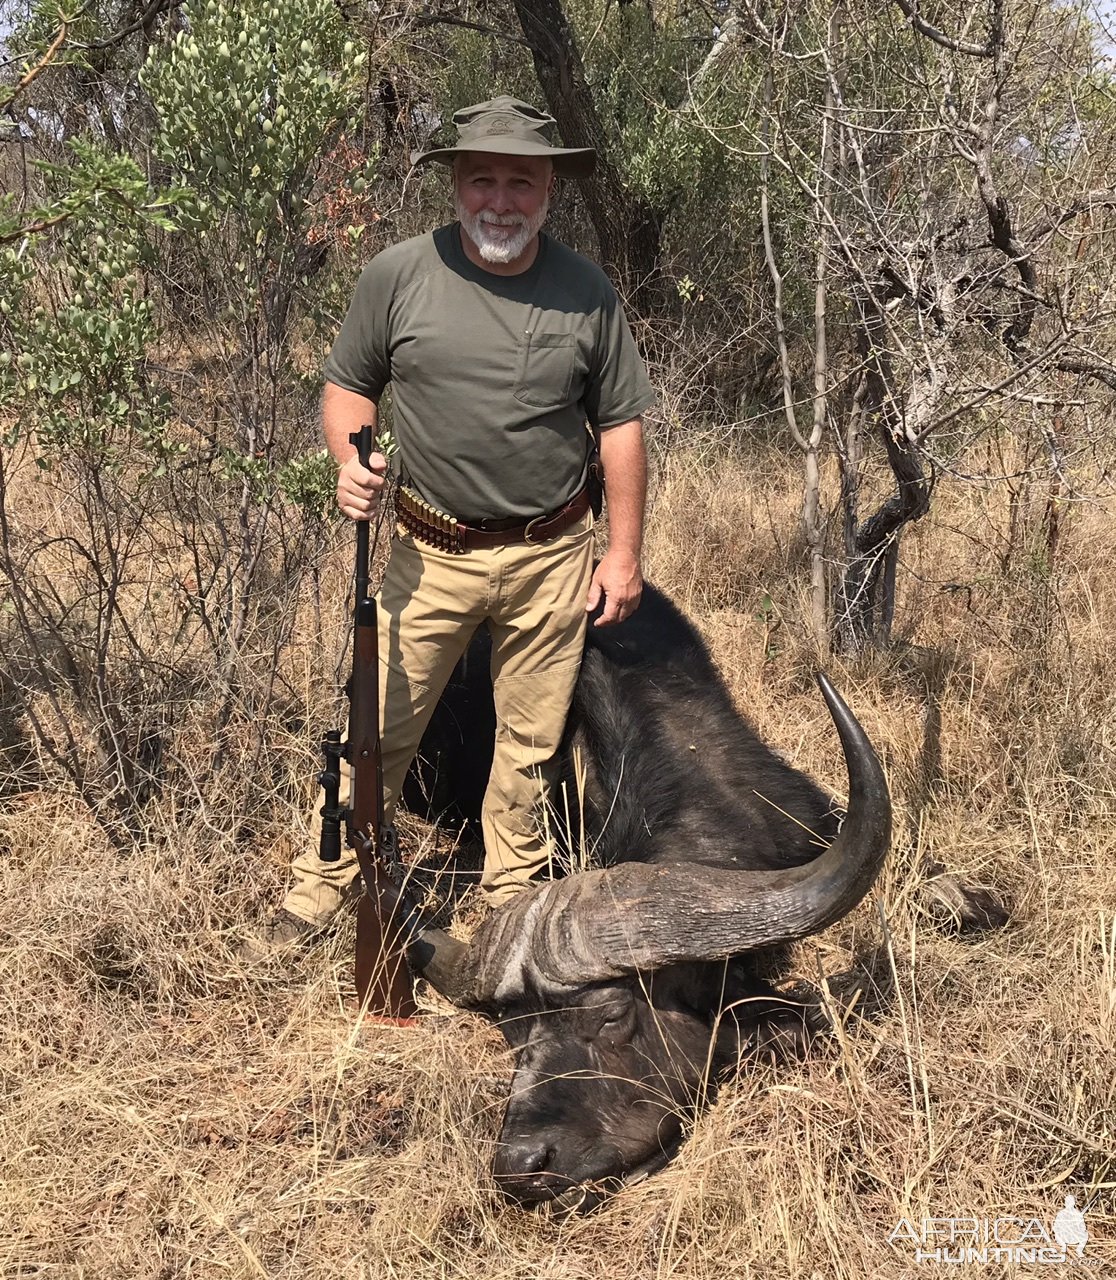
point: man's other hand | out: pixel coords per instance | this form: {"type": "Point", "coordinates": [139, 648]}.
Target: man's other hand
{"type": "Point", "coordinates": [359, 488]}
{"type": "Point", "coordinates": [618, 582]}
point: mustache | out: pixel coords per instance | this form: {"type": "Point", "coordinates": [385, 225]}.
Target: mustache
{"type": "Point", "coordinates": [503, 219]}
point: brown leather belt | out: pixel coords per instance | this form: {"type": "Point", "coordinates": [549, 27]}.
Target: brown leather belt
{"type": "Point", "coordinates": [447, 533]}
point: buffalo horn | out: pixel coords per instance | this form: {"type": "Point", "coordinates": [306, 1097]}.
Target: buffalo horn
{"type": "Point", "coordinates": [444, 962]}
{"type": "Point", "coordinates": [634, 917]}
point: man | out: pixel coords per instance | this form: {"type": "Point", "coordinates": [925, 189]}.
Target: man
{"type": "Point", "coordinates": [500, 344]}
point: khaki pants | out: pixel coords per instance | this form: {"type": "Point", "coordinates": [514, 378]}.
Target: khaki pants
{"type": "Point", "coordinates": [430, 604]}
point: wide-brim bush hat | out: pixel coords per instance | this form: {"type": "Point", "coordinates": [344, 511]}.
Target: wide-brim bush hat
{"type": "Point", "coordinates": [508, 127]}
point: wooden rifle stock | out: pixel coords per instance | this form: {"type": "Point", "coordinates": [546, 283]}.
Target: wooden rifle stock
{"type": "Point", "coordinates": [383, 981]}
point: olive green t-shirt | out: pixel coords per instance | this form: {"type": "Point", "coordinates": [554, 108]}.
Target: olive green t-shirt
{"type": "Point", "coordinates": [493, 377]}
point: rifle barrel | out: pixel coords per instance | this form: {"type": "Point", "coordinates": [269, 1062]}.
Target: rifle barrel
{"type": "Point", "coordinates": [363, 441]}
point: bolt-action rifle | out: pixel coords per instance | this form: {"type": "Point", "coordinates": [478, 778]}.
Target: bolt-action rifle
{"type": "Point", "coordinates": [383, 982]}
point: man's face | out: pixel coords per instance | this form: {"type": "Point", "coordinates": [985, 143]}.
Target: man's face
{"type": "Point", "coordinates": [502, 201]}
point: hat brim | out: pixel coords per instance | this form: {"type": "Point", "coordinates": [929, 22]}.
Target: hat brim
{"type": "Point", "coordinates": [569, 162]}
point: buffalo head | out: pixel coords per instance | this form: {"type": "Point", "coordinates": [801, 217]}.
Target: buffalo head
{"type": "Point", "coordinates": [626, 990]}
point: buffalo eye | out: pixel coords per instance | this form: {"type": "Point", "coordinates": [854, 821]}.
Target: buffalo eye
{"type": "Point", "coordinates": [619, 1020]}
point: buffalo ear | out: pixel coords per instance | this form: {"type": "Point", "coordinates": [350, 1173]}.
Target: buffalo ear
{"type": "Point", "coordinates": [703, 989]}
{"type": "Point", "coordinates": [514, 1027]}
{"type": "Point", "coordinates": [682, 987]}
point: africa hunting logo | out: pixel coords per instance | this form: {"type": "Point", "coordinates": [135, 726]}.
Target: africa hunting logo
{"type": "Point", "coordinates": [1009, 1239]}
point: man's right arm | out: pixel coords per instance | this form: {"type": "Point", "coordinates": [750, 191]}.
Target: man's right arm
{"type": "Point", "coordinates": [358, 488]}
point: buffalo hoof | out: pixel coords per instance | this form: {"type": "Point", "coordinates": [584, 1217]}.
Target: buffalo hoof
{"type": "Point", "coordinates": [959, 908]}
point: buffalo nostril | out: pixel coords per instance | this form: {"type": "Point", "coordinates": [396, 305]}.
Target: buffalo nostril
{"type": "Point", "coordinates": [529, 1156]}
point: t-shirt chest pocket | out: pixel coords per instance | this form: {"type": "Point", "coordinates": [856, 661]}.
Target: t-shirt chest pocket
{"type": "Point", "coordinates": [544, 369]}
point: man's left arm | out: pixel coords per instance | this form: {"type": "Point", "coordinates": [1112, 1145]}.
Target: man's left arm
{"type": "Point", "coordinates": [618, 579]}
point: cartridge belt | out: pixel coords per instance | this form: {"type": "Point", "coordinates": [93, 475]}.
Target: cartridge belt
{"type": "Point", "coordinates": [447, 533]}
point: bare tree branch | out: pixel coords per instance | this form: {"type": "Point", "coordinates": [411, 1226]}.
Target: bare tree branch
{"type": "Point", "coordinates": [448, 20]}
{"type": "Point", "coordinates": [1000, 221]}
{"type": "Point", "coordinates": [1104, 374]}
{"type": "Point", "coordinates": [722, 47]}
{"type": "Point", "coordinates": [142, 22]}
{"type": "Point", "coordinates": [34, 72]}
{"type": "Point", "coordinates": [924, 28]}
{"type": "Point", "coordinates": [786, 379]}
{"type": "Point", "coordinates": [1102, 198]}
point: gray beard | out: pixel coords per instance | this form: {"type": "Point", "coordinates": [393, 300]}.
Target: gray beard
{"type": "Point", "coordinates": [500, 251]}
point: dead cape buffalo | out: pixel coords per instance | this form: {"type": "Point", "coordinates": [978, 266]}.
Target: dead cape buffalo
{"type": "Point", "coordinates": [627, 990]}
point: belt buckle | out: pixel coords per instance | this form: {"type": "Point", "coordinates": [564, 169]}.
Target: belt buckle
{"type": "Point", "coordinates": [528, 537]}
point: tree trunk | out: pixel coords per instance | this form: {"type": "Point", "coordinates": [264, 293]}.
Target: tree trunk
{"type": "Point", "coordinates": [866, 596]}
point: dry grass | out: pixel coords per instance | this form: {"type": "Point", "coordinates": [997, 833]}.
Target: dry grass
{"type": "Point", "coordinates": [167, 1114]}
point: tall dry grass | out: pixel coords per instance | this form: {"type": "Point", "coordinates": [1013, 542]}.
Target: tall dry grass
{"type": "Point", "coordinates": [167, 1113]}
